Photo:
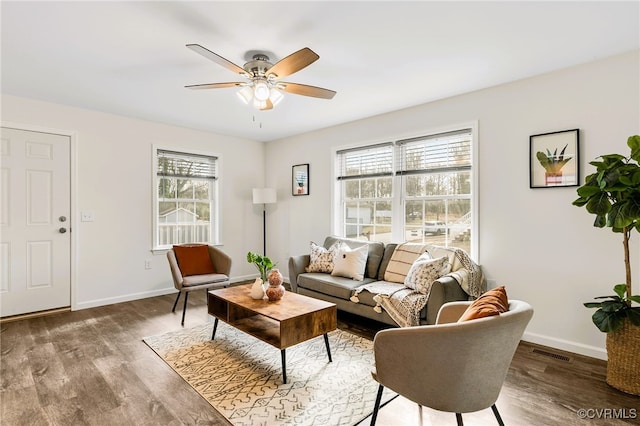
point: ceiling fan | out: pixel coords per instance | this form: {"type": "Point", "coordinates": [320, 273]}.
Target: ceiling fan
{"type": "Point", "coordinates": [263, 90]}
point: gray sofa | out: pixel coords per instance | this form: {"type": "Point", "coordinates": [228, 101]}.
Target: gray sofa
{"type": "Point", "coordinates": [338, 290]}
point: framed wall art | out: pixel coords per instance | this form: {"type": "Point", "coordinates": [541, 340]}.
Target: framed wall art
{"type": "Point", "coordinates": [300, 179]}
{"type": "Point", "coordinates": [553, 159]}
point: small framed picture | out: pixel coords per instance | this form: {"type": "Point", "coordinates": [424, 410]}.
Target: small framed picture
{"type": "Point", "coordinates": [553, 159]}
{"type": "Point", "coordinates": [300, 179]}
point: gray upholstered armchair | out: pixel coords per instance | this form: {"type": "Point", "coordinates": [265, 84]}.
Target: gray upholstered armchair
{"type": "Point", "coordinates": [185, 282]}
{"type": "Point", "coordinates": [450, 366]}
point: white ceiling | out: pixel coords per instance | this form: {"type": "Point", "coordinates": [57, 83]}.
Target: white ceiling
{"type": "Point", "coordinates": [129, 58]}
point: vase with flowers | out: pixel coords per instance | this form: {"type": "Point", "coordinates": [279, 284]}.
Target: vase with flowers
{"type": "Point", "coordinates": [264, 266]}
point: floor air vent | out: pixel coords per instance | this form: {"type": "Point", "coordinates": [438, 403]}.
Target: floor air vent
{"type": "Point", "coordinates": [551, 354]}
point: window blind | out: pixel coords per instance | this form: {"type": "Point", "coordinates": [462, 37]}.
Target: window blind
{"type": "Point", "coordinates": [179, 164]}
{"type": "Point", "coordinates": [441, 152]}
{"type": "Point", "coordinates": [369, 161]}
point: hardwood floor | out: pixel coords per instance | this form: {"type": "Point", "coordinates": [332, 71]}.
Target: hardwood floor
{"type": "Point", "coordinates": [92, 367]}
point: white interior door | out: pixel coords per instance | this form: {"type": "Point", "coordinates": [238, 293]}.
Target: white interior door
{"type": "Point", "coordinates": [35, 244]}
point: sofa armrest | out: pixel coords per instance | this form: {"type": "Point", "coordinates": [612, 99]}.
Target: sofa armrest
{"type": "Point", "coordinates": [444, 289]}
{"type": "Point", "coordinates": [297, 265]}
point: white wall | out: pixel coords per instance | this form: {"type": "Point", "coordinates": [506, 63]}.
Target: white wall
{"type": "Point", "coordinates": [113, 178]}
{"type": "Point", "coordinates": [543, 249]}
{"type": "Point", "coordinates": [531, 240]}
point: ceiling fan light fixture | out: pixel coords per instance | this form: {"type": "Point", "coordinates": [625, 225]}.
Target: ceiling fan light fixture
{"type": "Point", "coordinates": [258, 104]}
{"type": "Point", "coordinates": [275, 96]}
{"type": "Point", "coordinates": [246, 94]}
{"type": "Point", "coordinates": [261, 90]}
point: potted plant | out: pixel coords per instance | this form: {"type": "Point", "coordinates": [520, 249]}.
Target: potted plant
{"type": "Point", "coordinates": [263, 263]}
{"type": "Point", "coordinates": [553, 164]}
{"type": "Point", "coordinates": [612, 193]}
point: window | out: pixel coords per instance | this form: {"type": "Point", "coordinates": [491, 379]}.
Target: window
{"type": "Point", "coordinates": [418, 189]}
{"type": "Point", "coordinates": [185, 198]}
{"type": "Point", "coordinates": [366, 176]}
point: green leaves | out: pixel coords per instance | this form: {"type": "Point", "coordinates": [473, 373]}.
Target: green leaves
{"type": "Point", "coordinates": [612, 193]}
{"type": "Point", "coordinates": [552, 163]}
{"type": "Point", "coordinates": [613, 310]}
{"type": "Point", "coordinates": [634, 143]}
{"type": "Point", "coordinates": [263, 263]}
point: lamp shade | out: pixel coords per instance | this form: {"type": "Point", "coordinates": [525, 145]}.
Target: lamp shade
{"type": "Point", "coordinates": [264, 195]}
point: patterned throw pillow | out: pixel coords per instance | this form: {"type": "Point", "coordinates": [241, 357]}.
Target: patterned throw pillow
{"type": "Point", "coordinates": [350, 263]}
{"type": "Point", "coordinates": [425, 271]}
{"type": "Point", "coordinates": [321, 259]}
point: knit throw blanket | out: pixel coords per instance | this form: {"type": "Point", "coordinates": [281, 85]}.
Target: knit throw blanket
{"type": "Point", "coordinates": [404, 304]}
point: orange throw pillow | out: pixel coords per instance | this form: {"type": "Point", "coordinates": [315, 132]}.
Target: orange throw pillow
{"type": "Point", "coordinates": [193, 259]}
{"type": "Point", "coordinates": [492, 302]}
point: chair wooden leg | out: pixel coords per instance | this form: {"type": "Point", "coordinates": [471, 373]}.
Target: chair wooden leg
{"type": "Point", "coordinates": [497, 414]}
{"type": "Point", "coordinates": [459, 419]}
{"type": "Point", "coordinates": [184, 309]}
{"type": "Point", "coordinates": [376, 407]}
{"type": "Point", "coordinates": [176, 302]}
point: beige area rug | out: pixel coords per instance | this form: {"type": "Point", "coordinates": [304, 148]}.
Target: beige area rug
{"type": "Point", "coordinates": [241, 376]}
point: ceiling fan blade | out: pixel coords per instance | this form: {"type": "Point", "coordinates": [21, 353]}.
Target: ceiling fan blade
{"type": "Point", "coordinates": [304, 90]}
{"type": "Point", "coordinates": [293, 63]}
{"type": "Point", "coordinates": [217, 59]}
{"type": "Point", "coordinates": [215, 85]}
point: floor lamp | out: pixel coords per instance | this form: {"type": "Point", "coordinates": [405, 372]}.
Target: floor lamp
{"type": "Point", "coordinates": [264, 196]}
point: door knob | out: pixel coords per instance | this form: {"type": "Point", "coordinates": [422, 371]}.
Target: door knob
{"type": "Point", "coordinates": [62, 230]}
{"type": "Point", "coordinates": [62, 218]}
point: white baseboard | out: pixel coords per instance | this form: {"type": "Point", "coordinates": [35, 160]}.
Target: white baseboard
{"type": "Point", "coordinates": [124, 298]}
{"type": "Point", "coordinates": [142, 295]}
{"type": "Point", "coordinates": [565, 345]}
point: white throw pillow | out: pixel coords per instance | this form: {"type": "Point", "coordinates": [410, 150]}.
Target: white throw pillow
{"type": "Point", "coordinates": [351, 263]}
{"type": "Point", "coordinates": [424, 271]}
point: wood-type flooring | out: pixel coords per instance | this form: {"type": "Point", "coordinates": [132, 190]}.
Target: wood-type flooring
{"type": "Point", "coordinates": [91, 367]}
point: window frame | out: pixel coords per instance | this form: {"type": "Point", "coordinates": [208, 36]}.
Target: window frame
{"type": "Point", "coordinates": [214, 214]}
{"type": "Point", "coordinates": [398, 199]}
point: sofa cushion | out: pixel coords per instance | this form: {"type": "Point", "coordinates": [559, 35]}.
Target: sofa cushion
{"type": "Point", "coordinates": [491, 302]}
{"type": "Point", "coordinates": [350, 263]}
{"type": "Point", "coordinates": [425, 270]}
{"type": "Point", "coordinates": [328, 284]}
{"type": "Point", "coordinates": [193, 259]}
{"type": "Point", "coordinates": [376, 250]}
{"type": "Point", "coordinates": [321, 259]}
{"type": "Point", "coordinates": [403, 257]}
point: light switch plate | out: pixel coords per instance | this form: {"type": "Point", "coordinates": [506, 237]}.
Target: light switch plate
{"type": "Point", "coordinates": [87, 216]}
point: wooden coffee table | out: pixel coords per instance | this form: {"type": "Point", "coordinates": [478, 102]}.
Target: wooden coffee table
{"type": "Point", "coordinates": [291, 320]}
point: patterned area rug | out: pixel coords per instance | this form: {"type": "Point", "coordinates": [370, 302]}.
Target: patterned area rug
{"type": "Point", "coordinates": [241, 376]}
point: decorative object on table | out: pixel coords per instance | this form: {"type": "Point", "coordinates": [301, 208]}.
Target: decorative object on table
{"type": "Point", "coordinates": [309, 397]}
{"type": "Point", "coordinates": [257, 289]}
{"type": "Point", "coordinates": [300, 179]}
{"type": "Point", "coordinates": [264, 196]}
{"type": "Point", "coordinates": [262, 263]}
{"type": "Point", "coordinates": [276, 290]}
{"type": "Point", "coordinates": [553, 159]}
{"type": "Point", "coordinates": [612, 193]}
